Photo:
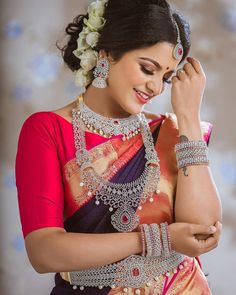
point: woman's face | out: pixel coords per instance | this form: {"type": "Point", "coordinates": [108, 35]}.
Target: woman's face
{"type": "Point", "coordinates": [140, 75]}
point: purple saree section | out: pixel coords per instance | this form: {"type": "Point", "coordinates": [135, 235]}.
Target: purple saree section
{"type": "Point", "coordinates": [97, 219]}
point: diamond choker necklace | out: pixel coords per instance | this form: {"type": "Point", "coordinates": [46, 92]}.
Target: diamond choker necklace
{"type": "Point", "coordinates": [108, 127]}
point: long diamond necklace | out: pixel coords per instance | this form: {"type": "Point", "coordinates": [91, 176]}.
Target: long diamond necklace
{"type": "Point", "coordinates": [120, 196]}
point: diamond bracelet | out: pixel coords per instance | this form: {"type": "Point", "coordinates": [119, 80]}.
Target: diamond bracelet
{"type": "Point", "coordinates": [155, 240]}
{"type": "Point", "coordinates": [191, 153]}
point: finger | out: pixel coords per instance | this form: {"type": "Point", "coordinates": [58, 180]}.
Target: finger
{"type": "Point", "coordinates": [181, 75]}
{"type": "Point", "coordinates": [181, 72]}
{"type": "Point", "coordinates": [217, 234]}
{"type": "Point", "coordinates": [196, 65]}
{"type": "Point", "coordinates": [189, 69]}
{"type": "Point", "coordinates": [212, 244]}
{"type": "Point", "coordinates": [202, 229]}
{"type": "Point", "coordinates": [218, 224]}
{"type": "Point", "coordinates": [213, 241]}
{"type": "Point", "coordinates": [175, 79]}
{"type": "Point", "coordinates": [208, 244]}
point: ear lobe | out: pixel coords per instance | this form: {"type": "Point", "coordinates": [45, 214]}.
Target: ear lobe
{"type": "Point", "coordinates": [107, 55]}
{"type": "Point", "coordinates": [103, 54]}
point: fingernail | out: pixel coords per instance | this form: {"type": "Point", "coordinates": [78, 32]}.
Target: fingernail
{"type": "Point", "coordinates": [212, 229]}
{"type": "Point", "coordinates": [218, 224]}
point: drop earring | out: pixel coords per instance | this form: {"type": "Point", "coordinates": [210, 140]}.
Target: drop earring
{"type": "Point", "coordinates": [101, 73]}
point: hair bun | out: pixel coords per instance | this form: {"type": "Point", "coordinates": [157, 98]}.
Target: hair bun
{"type": "Point", "coordinates": [162, 3]}
{"type": "Point", "coordinates": [127, 7]}
{"type": "Point", "coordinates": [132, 4]}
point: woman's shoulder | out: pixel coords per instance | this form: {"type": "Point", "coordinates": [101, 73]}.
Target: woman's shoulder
{"type": "Point", "coordinates": [38, 118]}
{"type": "Point", "coordinates": [65, 112]}
{"type": "Point", "coordinates": [37, 127]}
{"type": "Point", "coordinates": [47, 118]}
{"type": "Point", "coordinates": [46, 125]}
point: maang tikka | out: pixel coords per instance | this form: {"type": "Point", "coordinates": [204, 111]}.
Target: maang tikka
{"type": "Point", "coordinates": [178, 50]}
{"type": "Point", "coordinates": [101, 73]}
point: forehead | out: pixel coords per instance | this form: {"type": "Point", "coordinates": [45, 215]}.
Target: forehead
{"type": "Point", "coordinates": [161, 52]}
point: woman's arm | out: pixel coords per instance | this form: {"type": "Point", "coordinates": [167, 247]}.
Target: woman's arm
{"type": "Point", "coordinates": [197, 199]}
{"type": "Point", "coordinates": [55, 250]}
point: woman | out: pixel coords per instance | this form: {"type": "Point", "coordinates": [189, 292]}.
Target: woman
{"type": "Point", "coordinates": [113, 199]}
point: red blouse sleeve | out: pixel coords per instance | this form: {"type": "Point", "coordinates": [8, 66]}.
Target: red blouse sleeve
{"type": "Point", "coordinates": [38, 175]}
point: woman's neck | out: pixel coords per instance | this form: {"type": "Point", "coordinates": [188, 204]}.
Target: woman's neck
{"type": "Point", "coordinates": [101, 102]}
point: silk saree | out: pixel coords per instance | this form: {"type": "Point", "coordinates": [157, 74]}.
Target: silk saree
{"type": "Point", "coordinates": [61, 201]}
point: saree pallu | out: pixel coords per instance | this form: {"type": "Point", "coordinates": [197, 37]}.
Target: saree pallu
{"type": "Point", "coordinates": [122, 162]}
{"type": "Point", "coordinates": [48, 187]}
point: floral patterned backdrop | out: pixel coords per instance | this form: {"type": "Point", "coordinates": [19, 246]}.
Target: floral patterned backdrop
{"type": "Point", "coordinates": [34, 78]}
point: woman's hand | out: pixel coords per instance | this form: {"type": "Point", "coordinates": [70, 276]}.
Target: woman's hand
{"type": "Point", "coordinates": [187, 90]}
{"type": "Point", "coordinates": [185, 238]}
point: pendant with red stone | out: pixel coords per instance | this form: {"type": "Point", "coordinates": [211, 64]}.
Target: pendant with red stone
{"type": "Point", "coordinates": [136, 274]}
{"type": "Point", "coordinates": [125, 219]}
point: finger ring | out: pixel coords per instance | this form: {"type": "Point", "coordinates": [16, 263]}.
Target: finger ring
{"type": "Point", "coordinates": [180, 72]}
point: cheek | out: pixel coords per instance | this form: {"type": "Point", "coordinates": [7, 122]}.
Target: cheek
{"type": "Point", "coordinates": [127, 74]}
{"type": "Point", "coordinates": [163, 87]}
{"type": "Point", "coordinates": [134, 76]}
{"type": "Point", "coordinates": [137, 79]}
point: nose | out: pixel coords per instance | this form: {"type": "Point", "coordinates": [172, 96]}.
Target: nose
{"type": "Point", "coordinates": [155, 86]}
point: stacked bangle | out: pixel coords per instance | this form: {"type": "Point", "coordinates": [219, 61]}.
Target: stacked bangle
{"type": "Point", "coordinates": [155, 240]}
{"type": "Point", "coordinates": [165, 239]}
{"type": "Point", "coordinates": [148, 240]}
{"type": "Point", "coordinates": [190, 153]}
{"type": "Point", "coordinates": [157, 246]}
{"type": "Point", "coordinates": [143, 241]}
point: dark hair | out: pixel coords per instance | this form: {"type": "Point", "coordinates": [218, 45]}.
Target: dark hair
{"type": "Point", "coordinates": [130, 25]}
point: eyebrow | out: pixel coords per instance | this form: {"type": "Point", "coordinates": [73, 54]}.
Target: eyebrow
{"type": "Point", "coordinates": [158, 66]}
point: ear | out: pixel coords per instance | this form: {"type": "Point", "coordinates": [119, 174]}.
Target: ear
{"type": "Point", "coordinates": [102, 53]}
{"type": "Point", "coordinates": [105, 54]}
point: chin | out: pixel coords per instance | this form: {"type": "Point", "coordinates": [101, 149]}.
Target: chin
{"type": "Point", "coordinates": [130, 106]}
{"type": "Point", "coordinates": [133, 106]}
{"type": "Point", "coordinates": [134, 110]}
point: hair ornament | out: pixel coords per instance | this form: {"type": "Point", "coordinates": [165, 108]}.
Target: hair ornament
{"type": "Point", "coordinates": [87, 41]}
{"type": "Point", "coordinates": [178, 50]}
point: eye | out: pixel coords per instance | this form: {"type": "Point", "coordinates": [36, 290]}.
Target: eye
{"type": "Point", "coordinates": [146, 71]}
{"type": "Point", "coordinates": [149, 72]}
{"type": "Point", "coordinates": [168, 81]}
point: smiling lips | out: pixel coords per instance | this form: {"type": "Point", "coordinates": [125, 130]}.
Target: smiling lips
{"type": "Point", "coordinates": [142, 97]}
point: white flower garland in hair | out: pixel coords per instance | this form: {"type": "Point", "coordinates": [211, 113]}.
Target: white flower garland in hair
{"type": "Point", "coordinates": [87, 41]}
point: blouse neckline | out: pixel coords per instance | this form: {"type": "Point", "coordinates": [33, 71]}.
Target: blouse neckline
{"type": "Point", "coordinates": [64, 119]}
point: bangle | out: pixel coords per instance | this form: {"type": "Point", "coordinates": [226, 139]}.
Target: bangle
{"type": "Point", "coordinates": [165, 239]}
{"type": "Point", "coordinates": [191, 153]}
{"type": "Point", "coordinates": [143, 241]}
{"type": "Point", "coordinates": [155, 240]}
{"type": "Point", "coordinates": [157, 246]}
{"type": "Point", "coordinates": [148, 240]}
